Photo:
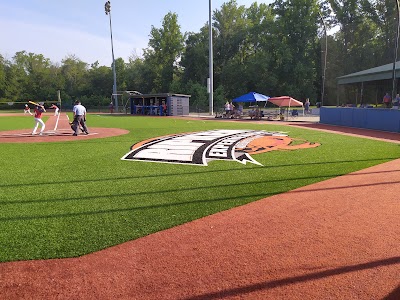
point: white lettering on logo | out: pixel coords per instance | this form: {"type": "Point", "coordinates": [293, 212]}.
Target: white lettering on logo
{"type": "Point", "coordinates": [198, 148]}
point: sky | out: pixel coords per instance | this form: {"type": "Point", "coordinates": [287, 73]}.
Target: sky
{"type": "Point", "coordinates": [59, 28]}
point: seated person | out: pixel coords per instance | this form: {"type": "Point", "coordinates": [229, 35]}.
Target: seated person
{"type": "Point", "coordinates": [252, 113]}
{"type": "Point", "coordinates": [396, 100]}
{"type": "Point", "coordinates": [255, 113]}
{"type": "Point", "coordinates": [240, 109]}
{"type": "Point", "coordinates": [234, 113]}
{"type": "Point", "coordinates": [238, 113]}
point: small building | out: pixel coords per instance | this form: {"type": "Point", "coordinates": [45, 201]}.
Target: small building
{"type": "Point", "coordinates": [369, 86]}
{"type": "Point", "coordinates": [166, 104]}
{"type": "Point", "coordinates": [377, 81]}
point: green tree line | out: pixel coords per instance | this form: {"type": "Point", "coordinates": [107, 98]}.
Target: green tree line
{"type": "Point", "coordinates": [274, 49]}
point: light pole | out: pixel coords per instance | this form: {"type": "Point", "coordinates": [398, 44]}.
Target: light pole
{"type": "Point", "coordinates": [325, 56]}
{"type": "Point", "coordinates": [396, 47]}
{"type": "Point", "coordinates": [107, 8]}
{"type": "Point", "coordinates": [210, 66]}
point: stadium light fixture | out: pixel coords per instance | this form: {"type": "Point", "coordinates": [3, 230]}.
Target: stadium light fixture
{"type": "Point", "coordinates": [107, 8]}
{"type": "Point", "coordinates": [210, 82]}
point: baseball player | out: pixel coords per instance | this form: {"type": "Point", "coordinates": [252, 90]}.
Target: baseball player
{"type": "Point", "coordinates": [38, 119]}
{"type": "Point", "coordinates": [56, 109]}
{"type": "Point", "coordinates": [79, 118]}
{"type": "Point", "coordinates": [73, 127]}
{"type": "Point", "coordinates": [27, 110]}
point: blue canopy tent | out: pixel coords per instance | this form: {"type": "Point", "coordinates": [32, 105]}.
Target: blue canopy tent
{"type": "Point", "coordinates": [251, 97]}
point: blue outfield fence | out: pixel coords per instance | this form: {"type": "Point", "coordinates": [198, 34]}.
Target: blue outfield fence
{"type": "Point", "coordinates": [368, 118]}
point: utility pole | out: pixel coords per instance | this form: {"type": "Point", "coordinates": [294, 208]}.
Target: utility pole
{"type": "Point", "coordinates": [210, 82]}
{"type": "Point", "coordinates": [107, 8]}
{"type": "Point", "coordinates": [394, 90]}
{"type": "Point", "coordinates": [325, 58]}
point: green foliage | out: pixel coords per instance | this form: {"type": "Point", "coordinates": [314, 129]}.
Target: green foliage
{"type": "Point", "coordinates": [94, 101]}
{"type": "Point", "coordinates": [273, 49]}
{"type": "Point", "coordinates": [74, 71]}
{"type": "Point", "coordinates": [195, 57]}
{"type": "Point", "coordinates": [366, 39]}
{"type": "Point", "coordinates": [85, 198]}
{"type": "Point", "coordinates": [11, 88]}
{"type": "Point", "coordinates": [219, 97]}
{"type": "Point", "coordinates": [165, 47]}
{"type": "Point", "coordinates": [295, 61]}
{"type": "Point", "coordinates": [100, 81]}
{"type": "Point", "coordinates": [2, 77]}
{"type": "Point", "coordinates": [199, 98]}
{"type": "Point", "coordinates": [140, 75]}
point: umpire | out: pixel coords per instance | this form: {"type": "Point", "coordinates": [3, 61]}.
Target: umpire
{"type": "Point", "coordinates": [79, 118]}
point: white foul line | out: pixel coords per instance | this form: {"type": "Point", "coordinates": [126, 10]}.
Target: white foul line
{"type": "Point", "coordinates": [58, 117]}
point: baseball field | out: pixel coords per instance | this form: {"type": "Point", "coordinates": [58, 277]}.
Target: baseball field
{"type": "Point", "coordinates": [69, 198]}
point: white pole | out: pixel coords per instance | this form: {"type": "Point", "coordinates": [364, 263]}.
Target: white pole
{"type": "Point", "coordinates": [394, 90]}
{"type": "Point", "coordinates": [59, 110]}
{"type": "Point", "coordinates": [211, 68]}
{"type": "Point", "coordinates": [107, 7]}
{"type": "Point", "coordinates": [114, 72]}
{"type": "Point", "coordinates": [325, 59]}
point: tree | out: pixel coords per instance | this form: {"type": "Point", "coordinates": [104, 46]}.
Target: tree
{"type": "Point", "coordinates": [2, 77]}
{"type": "Point", "coordinates": [356, 34]}
{"type": "Point", "coordinates": [134, 74]}
{"type": "Point", "coordinates": [100, 81]}
{"type": "Point", "coordinates": [74, 71]}
{"type": "Point", "coordinates": [195, 57]}
{"type": "Point", "coordinates": [365, 39]}
{"type": "Point", "coordinates": [230, 34]}
{"type": "Point", "coordinates": [199, 95]}
{"type": "Point", "coordinates": [243, 42]}
{"type": "Point", "coordinates": [165, 48]}
{"type": "Point", "coordinates": [12, 90]}
{"type": "Point", "coordinates": [253, 61]}
{"type": "Point", "coordinates": [120, 69]}
{"type": "Point", "coordinates": [295, 47]}
{"type": "Point", "coordinates": [384, 15]}
{"type": "Point", "coordinates": [273, 49]}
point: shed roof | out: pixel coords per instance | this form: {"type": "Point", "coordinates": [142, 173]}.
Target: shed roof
{"type": "Point", "coordinates": [378, 73]}
{"type": "Point", "coordinates": [161, 95]}
{"type": "Point", "coordinates": [251, 97]}
{"type": "Point", "coordinates": [285, 101]}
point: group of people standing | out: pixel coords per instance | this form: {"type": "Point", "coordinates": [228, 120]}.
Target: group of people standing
{"type": "Point", "coordinates": [27, 109]}
{"type": "Point", "coordinates": [38, 111]}
{"type": "Point", "coordinates": [78, 123]}
{"type": "Point", "coordinates": [231, 111]}
{"type": "Point", "coordinates": [387, 100]}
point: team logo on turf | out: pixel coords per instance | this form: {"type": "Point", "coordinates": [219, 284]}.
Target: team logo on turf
{"type": "Point", "coordinates": [199, 148]}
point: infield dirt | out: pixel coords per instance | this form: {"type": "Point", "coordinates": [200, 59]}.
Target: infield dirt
{"type": "Point", "coordinates": [62, 133]}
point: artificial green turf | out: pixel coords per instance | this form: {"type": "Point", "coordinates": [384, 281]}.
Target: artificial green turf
{"type": "Point", "coordinates": [18, 122]}
{"type": "Point", "coordinates": [67, 199]}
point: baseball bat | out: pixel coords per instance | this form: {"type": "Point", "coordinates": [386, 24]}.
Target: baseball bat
{"type": "Point", "coordinates": [34, 103]}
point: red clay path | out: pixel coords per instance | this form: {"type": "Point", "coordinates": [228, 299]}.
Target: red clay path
{"type": "Point", "coordinates": [62, 133]}
{"type": "Point", "coordinates": [336, 239]}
